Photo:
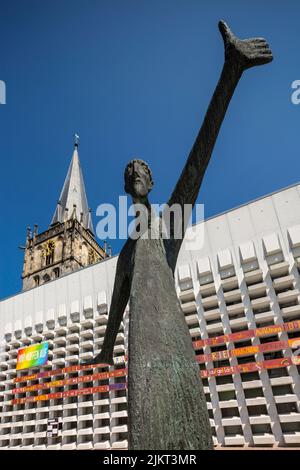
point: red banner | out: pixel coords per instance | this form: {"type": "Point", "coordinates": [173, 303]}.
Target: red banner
{"type": "Point", "coordinates": [66, 370]}
{"type": "Point", "coordinates": [272, 329]}
{"type": "Point", "coordinates": [250, 367]}
{"type": "Point", "coordinates": [72, 381]}
{"type": "Point", "coordinates": [70, 393]}
{"type": "Point", "coordinates": [265, 347]}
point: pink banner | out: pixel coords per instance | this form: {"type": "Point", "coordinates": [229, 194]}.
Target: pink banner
{"type": "Point", "coordinates": [250, 367]}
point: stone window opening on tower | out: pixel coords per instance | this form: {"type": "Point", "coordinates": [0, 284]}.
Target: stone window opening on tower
{"type": "Point", "coordinates": [49, 258]}
{"type": "Point", "coordinates": [56, 273]}
{"type": "Point", "coordinates": [46, 278]}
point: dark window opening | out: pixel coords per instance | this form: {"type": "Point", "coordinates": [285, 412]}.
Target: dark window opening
{"type": "Point", "coordinates": [56, 272]}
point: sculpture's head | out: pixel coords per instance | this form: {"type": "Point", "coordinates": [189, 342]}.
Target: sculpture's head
{"type": "Point", "coordinates": [138, 180]}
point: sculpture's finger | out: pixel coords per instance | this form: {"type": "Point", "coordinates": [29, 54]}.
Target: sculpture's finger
{"type": "Point", "coordinates": [262, 49]}
{"type": "Point", "coordinates": [258, 40]}
{"type": "Point", "coordinates": [267, 59]}
{"type": "Point", "coordinates": [225, 31]}
{"type": "Point", "coordinates": [262, 59]}
{"type": "Point", "coordinates": [260, 46]}
{"type": "Point", "coordinates": [266, 52]}
{"type": "Point", "coordinates": [260, 53]}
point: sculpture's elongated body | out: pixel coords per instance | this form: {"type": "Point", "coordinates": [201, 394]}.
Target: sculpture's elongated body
{"type": "Point", "coordinates": [166, 404]}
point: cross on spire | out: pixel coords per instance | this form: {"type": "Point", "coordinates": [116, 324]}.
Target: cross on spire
{"type": "Point", "coordinates": [76, 140]}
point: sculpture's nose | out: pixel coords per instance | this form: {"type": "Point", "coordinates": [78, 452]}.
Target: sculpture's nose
{"type": "Point", "coordinates": [135, 170]}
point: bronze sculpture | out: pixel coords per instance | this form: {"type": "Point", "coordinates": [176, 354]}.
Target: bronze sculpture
{"type": "Point", "coordinates": [166, 404]}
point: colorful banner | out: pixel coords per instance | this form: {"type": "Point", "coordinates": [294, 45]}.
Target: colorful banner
{"type": "Point", "coordinates": [32, 356]}
{"type": "Point", "coordinates": [70, 393]}
{"type": "Point", "coordinates": [266, 330]}
{"type": "Point", "coordinates": [250, 367]}
{"type": "Point", "coordinates": [265, 347]}
{"type": "Point", "coordinates": [72, 381]}
{"type": "Point", "coordinates": [227, 370]}
{"type": "Point", "coordinates": [67, 370]}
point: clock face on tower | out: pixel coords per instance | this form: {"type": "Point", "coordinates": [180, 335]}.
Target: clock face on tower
{"type": "Point", "coordinates": [49, 247]}
{"type": "Point", "coordinates": [48, 251]}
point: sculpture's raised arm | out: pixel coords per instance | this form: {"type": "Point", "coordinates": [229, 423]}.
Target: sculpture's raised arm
{"type": "Point", "coordinates": [239, 56]}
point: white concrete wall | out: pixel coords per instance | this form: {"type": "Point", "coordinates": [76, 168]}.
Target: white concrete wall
{"type": "Point", "coordinates": [266, 224]}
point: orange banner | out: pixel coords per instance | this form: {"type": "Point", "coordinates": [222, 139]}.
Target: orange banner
{"type": "Point", "coordinates": [66, 370]}
{"type": "Point", "coordinates": [70, 393]}
{"type": "Point", "coordinates": [245, 351]}
{"type": "Point", "coordinates": [72, 381]}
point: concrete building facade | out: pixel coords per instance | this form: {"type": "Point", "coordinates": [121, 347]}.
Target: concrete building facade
{"type": "Point", "coordinates": [238, 283]}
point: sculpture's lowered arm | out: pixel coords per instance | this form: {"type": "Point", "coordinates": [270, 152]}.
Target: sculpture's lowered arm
{"type": "Point", "coordinates": [119, 301]}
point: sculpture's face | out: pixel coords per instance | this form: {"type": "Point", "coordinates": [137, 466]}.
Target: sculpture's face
{"type": "Point", "coordinates": [138, 180]}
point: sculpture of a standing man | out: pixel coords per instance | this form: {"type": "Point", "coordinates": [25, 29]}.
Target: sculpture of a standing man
{"type": "Point", "coordinates": [166, 404]}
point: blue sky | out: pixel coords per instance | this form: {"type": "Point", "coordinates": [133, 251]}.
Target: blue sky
{"type": "Point", "coordinates": [134, 78]}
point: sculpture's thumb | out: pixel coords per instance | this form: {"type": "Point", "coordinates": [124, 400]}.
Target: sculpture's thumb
{"type": "Point", "coordinates": [225, 31]}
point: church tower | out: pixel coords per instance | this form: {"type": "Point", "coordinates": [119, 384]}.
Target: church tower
{"type": "Point", "coordinates": [69, 243]}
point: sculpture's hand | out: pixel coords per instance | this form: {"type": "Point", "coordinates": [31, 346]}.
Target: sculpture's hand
{"type": "Point", "coordinates": [245, 53]}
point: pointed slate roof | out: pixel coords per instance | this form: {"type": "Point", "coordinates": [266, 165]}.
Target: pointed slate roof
{"type": "Point", "coordinates": [73, 200]}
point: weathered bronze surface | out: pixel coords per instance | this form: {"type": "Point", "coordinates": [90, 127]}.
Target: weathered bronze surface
{"type": "Point", "coordinates": [166, 404]}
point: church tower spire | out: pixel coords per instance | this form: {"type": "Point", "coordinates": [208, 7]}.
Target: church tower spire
{"type": "Point", "coordinates": [69, 243]}
{"type": "Point", "coordinates": [73, 195]}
